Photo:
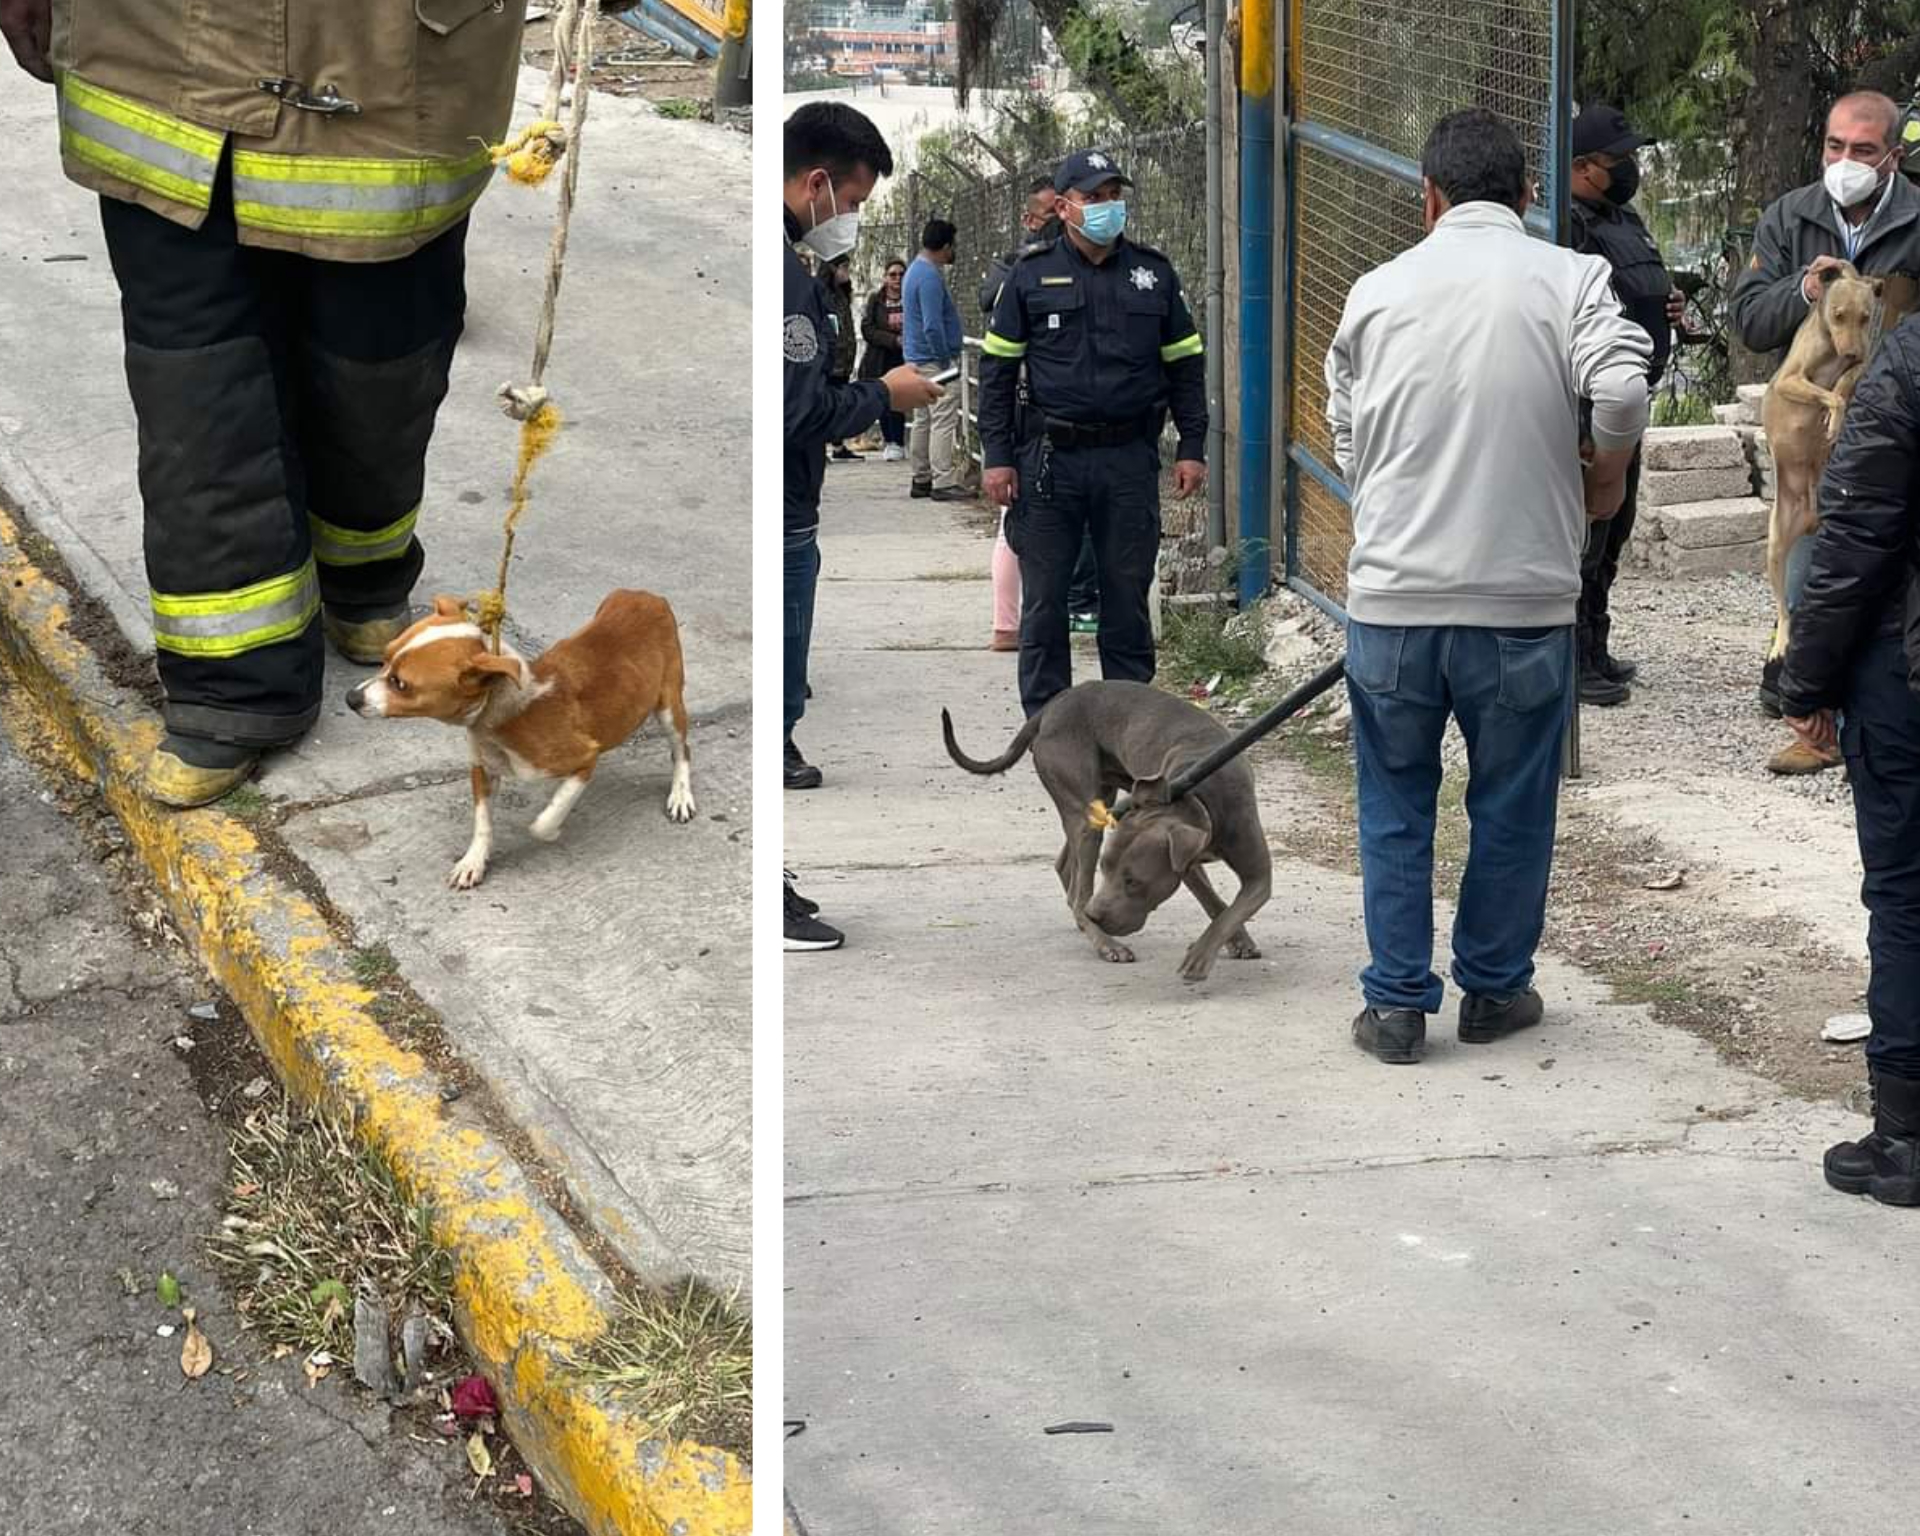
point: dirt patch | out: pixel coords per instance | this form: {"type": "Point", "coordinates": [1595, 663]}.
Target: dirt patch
{"type": "Point", "coordinates": [627, 62]}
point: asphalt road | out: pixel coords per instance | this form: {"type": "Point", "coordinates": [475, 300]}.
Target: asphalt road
{"type": "Point", "coordinates": [99, 1430]}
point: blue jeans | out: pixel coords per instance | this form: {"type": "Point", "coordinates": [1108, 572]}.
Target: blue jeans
{"type": "Point", "coordinates": [801, 577]}
{"type": "Point", "coordinates": [1510, 689]}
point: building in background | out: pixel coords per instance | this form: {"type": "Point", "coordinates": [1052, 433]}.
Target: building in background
{"type": "Point", "coordinates": [906, 40]}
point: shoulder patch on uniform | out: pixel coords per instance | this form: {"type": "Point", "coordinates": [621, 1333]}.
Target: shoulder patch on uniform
{"type": "Point", "coordinates": [799, 340]}
{"type": "Point", "coordinates": [1056, 282]}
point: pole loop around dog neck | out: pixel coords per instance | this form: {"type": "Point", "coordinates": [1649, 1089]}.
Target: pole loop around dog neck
{"type": "Point", "coordinates": [1103, 817]}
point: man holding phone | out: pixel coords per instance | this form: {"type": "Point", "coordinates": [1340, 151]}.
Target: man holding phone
{"type": "Point", "coordinates": [1109, 347]}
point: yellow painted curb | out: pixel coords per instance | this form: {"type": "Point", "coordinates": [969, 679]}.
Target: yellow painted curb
{"type": "Point", "coordinates": [528, 1297]}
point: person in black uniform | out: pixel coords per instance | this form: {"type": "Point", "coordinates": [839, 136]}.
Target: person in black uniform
{"type": "Point", "coordinates": [1109, 347]}
{"type": "Point", "coordinates": [834, 157]}
{"type": "Point", "coordinates": [1605, 178]}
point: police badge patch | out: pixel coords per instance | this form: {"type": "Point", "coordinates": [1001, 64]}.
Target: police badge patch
{"type": "Point", "coordinates": [799, 340]}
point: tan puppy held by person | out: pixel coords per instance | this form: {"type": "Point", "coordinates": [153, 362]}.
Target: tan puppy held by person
{"type": "Point", "coordinates": [545, 719]}
{"type": "Point", "coordinates": [1802, 411]}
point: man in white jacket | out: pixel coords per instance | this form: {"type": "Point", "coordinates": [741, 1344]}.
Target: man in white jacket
{"type": "Point", "coordinates": [1454, 390]}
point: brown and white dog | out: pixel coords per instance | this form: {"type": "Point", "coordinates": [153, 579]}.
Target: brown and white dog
{"type": "Point", "coordinates": [546, 719]}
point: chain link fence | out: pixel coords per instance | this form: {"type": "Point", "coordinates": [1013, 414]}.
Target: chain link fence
{"type": "Point", "coordinates": [1369, 79]}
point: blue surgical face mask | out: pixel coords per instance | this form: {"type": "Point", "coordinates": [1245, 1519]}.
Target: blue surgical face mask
{"type": "Point", "coordinates": [1102, 223]}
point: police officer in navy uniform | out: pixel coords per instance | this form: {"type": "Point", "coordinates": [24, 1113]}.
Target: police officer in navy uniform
{"type": "Point", "coordinates": [1605, 178]}
{"type": "Point", "coordinates": [1109, 348]}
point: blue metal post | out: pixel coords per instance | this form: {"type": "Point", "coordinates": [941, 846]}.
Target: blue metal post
{"type": "Point", "coordinates": [1256, 297]}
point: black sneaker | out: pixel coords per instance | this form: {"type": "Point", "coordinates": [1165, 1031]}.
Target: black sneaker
{"type": "Point", "coordinates": [921, 490]}
{"type": "Point", "coordinates": [845, 454]}
{"type": "Point", "coordinates": [1489, 1018]}
{"type": "Point", "coordinates": [804, 931]}
{"type": "Point", "coordinates": [1769, 694]}
{"type": "Point", "coordinates": [1597, 688]}
{"type": "Point", "coordinates": [811, 908]}
{"type": "Point", "coordinates": [1396, 1035]}
{"type": "Point", "coordinates": [950, 493]}
{"type": "Point", "coordinates": [1620, 671]}
{"type": "Point", "coordinates": [801, 774]}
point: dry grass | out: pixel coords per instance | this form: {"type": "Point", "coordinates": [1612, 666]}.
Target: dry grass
{"type": "Point", "coordinates": [314, 1220]}
{"type": "Point", "coordinates": [681, 1358]}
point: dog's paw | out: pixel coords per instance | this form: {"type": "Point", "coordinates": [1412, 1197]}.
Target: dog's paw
{"type": "Point", "coordinates": [1198, 964]}
{"type": "Point", "coordinates": [468, 873]}
{"type": "Point", "coordinates": [1241, 947]}
{"type": "Point", "coordinates": [546, 831]}
{"type": "Point", "coordinates": [680, 806]}
{"type": "Point", "coordinates": [1115, 953]}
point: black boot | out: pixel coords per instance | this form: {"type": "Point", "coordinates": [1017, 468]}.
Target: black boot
{"type": "Point", "coordinates": [1769, 694]}
{"type": "Point", "coordinates": [800, 774]}
{"type": "Point", "coordinates": [1595, 686]}
{"type": "Point", "coordinates": [1885, 1163]}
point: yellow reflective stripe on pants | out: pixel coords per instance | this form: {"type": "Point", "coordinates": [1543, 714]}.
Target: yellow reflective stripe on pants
{"type": "Point", "coordinates": [149, 149]}
{"type": "Point", "coordinates": [230, 623]}
{"type": "Point", "coordinates": [335, 545]}
{"type": "Point", "coordinates": [354, 199]}
{"type": "Point", "coordinates": [1192, 346]}
{"type": "Point", "coordinates": [998, 346]}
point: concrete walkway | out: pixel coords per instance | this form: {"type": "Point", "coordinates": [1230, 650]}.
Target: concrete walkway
{"type": "Point", "coordinates": [1586, 1280]}
{"type": "Point", "coordinates": [602, 985]}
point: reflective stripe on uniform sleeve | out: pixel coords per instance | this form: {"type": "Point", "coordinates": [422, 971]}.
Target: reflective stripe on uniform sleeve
{"type": "Point", "coordinates": [335, 545]}
{"type": "Point", "coordinates": [134, 143]}
{"type": "Point", "coordinates": [354, 199]}
{"type": "Point", "coordinates": [230, 623]}
{"type": "Point", "coordinates": [998, 346]}
{"type": "Point", "coordinates": [1191, 347]}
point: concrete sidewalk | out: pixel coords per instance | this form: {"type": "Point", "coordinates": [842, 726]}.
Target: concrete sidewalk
{"type": "Point", "coordinates": [1585, 1280]}
{"type": "Point", "coordinates": [601, 986]}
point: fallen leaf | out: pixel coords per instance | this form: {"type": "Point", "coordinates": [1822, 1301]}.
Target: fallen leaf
{"type": "Point", "coordinates": [525, 1485]}
{"type": "Point", "coordinates": [1672, 880]}
{"type": "Point", "coordinates": [473, 1398]}
{"type": "Point", "coordinates": [244, 1190]}
{"type": "Point", "coordinates": [281, 1351]}
{"type": "Point", "coordinates": [478, 1456]}
{"type": "Point", "coordinates": [168, 1290]}
{"type": "Point", "coordinates": [318, 1366]}
{"type": "Point", "coordinates": [196, 1354]}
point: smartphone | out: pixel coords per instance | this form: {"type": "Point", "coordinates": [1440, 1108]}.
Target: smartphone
{"type": "Point", "coordinates": [944, 379]}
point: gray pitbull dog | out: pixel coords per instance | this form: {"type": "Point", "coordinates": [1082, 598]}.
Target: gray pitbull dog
{"type": "Point", "coordinates": [1099, 738]}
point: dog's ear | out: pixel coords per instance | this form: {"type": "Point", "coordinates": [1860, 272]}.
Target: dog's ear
{"type": "Point", "coordinates": [483, 667]}
{"type": "Point", "coordinates": [1186, 843]}
{"type": "Point", "coordinates": [445, 607]}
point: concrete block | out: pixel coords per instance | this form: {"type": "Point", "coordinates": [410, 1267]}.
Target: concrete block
{"type": "Point", "coordinates": [1676, 448]}
{"type": "Point", "coordinates": [1683, 487]}
{"type": "Point", "coordinates": [1715, 524]}
{"type": "Point", "coordinates": [1750, 395]}
{"type": "Point", "coordinates": [1735, 415]}
{"type": "Point", "coordinates": [1748, 559]}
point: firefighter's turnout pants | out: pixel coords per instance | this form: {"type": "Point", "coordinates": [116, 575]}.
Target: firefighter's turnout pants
{"type": "Point", "coordinates": [285, 405]}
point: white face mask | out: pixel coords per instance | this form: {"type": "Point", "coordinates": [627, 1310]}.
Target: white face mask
{"type": "Point", "coordinates": [832, 238]}
{"type": "Point", "coordinates": [1849, 183]}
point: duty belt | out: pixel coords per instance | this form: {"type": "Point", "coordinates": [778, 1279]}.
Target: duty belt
{"type": "Point", "coordinates": [1067, 435]}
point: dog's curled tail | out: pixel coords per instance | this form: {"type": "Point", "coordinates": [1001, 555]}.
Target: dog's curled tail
{"type": "Point", "coordinates": [1000, 764]}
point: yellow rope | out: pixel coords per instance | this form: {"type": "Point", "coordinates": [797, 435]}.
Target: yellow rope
{"type": "Point", "coordinates": [1099, 817]}
{"type": "Point", "coordinates": [529, 158]}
